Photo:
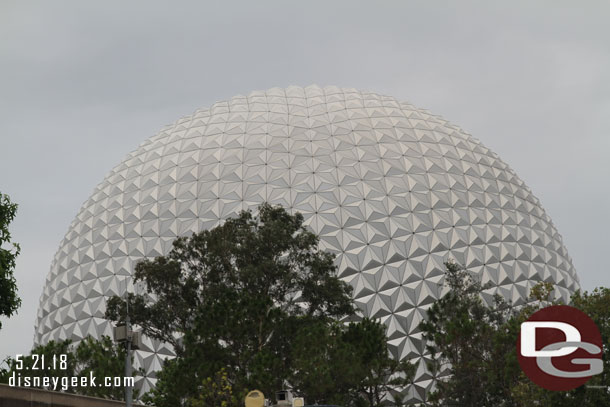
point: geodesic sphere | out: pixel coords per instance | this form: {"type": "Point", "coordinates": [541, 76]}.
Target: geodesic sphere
{"type": "Point", "coordinates": [392, 190]}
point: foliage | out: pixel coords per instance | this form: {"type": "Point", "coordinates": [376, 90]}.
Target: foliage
{"type": "Point", "coordinates": [216, 391]}
{"type": "Point", "coordinates": [597, 306]}
{"type": "Point", "coordinates": [9, 301]}
{"type": "Point", "coordinates": [347, 365]}
{"type": "Point", "coordinates": [473, 347]}
{"type": "Point", "coordinates": [98, 359]}
{"type": "Point", "coordinates": [379, 373]}
{"type": "Point", "coordinates": [251, 298]}
{"type": "Point", "coordinates": [466, 338]}
{"type": "Point", "coordinates": [318, 370]}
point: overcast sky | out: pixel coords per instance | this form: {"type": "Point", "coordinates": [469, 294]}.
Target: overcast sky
{"type": "Point", "coordinates": [84, 83]}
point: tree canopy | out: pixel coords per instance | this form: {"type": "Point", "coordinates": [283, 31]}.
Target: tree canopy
{"type": "Point", "coordinates": [473, 346]}
{"type": "Point", "coordinates": [9, 300]}
{"type": "Point", "coordinates": [254, 304]}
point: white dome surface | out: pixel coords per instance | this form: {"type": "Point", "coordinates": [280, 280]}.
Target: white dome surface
{"type": "Point", "coordinates": [391, 189]}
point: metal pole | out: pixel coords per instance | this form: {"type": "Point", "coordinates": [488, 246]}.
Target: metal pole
{"type": "Point", "coordinates": [128, 373]}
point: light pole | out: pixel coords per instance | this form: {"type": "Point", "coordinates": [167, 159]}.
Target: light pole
{"type": "Point", "coordinates": [124, 334]}
{"type": "Point", "coordinates": [128, 372]}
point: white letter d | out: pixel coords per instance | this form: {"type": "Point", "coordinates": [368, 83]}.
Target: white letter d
{"type": "Point", "coordinates": [528, 338]}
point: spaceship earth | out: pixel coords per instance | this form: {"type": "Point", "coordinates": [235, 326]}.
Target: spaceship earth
{"type": "Point", "coordinates": [394, 191]}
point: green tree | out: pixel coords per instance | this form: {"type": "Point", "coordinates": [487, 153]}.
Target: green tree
{"type": "Point", "coordinates": [9, 300]}
{"type": "Point", "coordinates": [216, 391]}
{"type": "Point", "coordinates": [466, 339]}
{"type": "Point", "coordinates": [258, 300]}
{"type": "Point", "coordinates": [102, 358]}
{"type": "Point", "coordinates": [377, 372]}
{"type": "Point", "coordinates": [347, 365]}
{"type": "Point", "coordinates": [473, 346]}
{"type": "Point", "coordinates": [97, 358]}
{"type": "Point", "coordinates": [319, 364]}
{"type": "Point", "coordinates": [237, 295]}
{"type": "Point", "coordinates": [596, 305]}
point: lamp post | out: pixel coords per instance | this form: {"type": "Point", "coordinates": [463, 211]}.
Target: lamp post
{"type": "Point", "coordinates": [124, 334]}
{"type": "Point", "coordinates": [128, 372]}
